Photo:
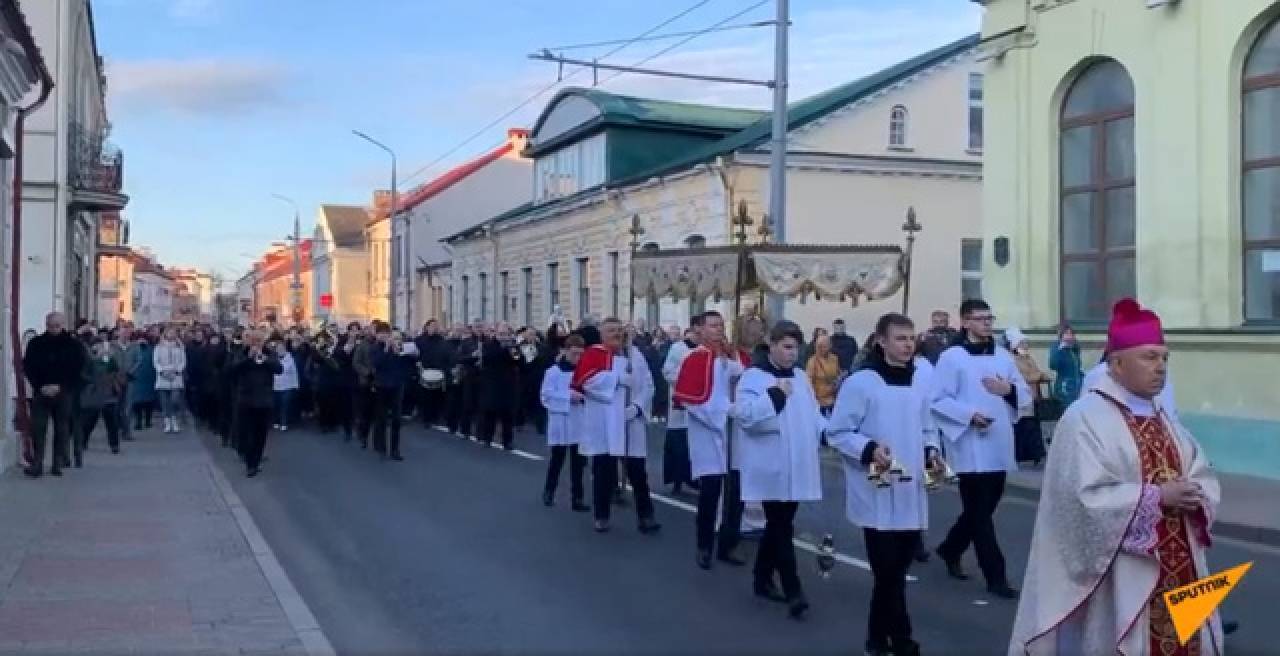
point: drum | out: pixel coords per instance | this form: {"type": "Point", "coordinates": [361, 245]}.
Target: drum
{"type": "Point", "coordinates": [432, 379]}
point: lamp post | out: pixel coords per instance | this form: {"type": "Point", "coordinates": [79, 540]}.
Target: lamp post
{"type": "Point", "coordinates": [911, 227]}
{"type": "Point", "coordinates": [636, 231]}
{"type": "Point", "coordinates": [296, 285]}
{"type": "Point", "coordinates": [399, 256]}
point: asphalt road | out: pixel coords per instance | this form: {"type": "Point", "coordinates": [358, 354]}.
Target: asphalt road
{"type": "Point", "coordinates": [452, 551]}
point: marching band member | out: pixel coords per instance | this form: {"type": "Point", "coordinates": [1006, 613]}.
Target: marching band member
{"type": "Point", "coordinates": [564, 424]}
{"type": "Point", "coordinates": [705, 388]}
{"type": "Point", "coordinates": [618, 388]}
{"type": "Point", "coordinates": [882, 418]}
{"type": "Point", "coordinates": [779, 458]}
{"type": "Point", "coordinates": [978, 395]}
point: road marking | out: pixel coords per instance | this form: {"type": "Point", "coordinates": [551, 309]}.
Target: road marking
{"type": "Point", "coordinates": [526, 455]}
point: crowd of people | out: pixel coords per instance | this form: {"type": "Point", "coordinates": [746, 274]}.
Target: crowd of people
{"type": "Point", "coordinates": [748, 414]}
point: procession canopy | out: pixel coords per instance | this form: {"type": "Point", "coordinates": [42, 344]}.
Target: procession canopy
{"type": "Point", "coordinates": [844, 273]}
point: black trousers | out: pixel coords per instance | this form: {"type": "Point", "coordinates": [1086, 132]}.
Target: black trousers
{"type": "Point", "coordinates": [604, 479]}
{"type": "Point", "coordinates": [110, 414]}
{"type": "Point", "coordinates": [453, 409]}
{"type": "Point", "coordinates": [334, 408]}
{"type": "Point", "coordinates": [489, 425]}
{"type": "Point", "coordinates": [708, 506]}
{"type": "Point", "coordinates": [432, 405]}
{"type": "Point", "coordinates": [387, 406]}
{"type": "Point", "coordinates": [46, 410]}
{"type": "Point", "coordinates": [253, 426]}
{"type": "Point", "coordinates": [890, 554]}
{"type": "Point", "coordinates": [577, 464]}
{"type": "Point", "coordinates": [363, 399]}
{"type": "Point", "coordinates": [980, 496]}
{"type": "Point", "coordinates": [468, 417]}
{"type": "Point", "coordinates": [776, 553]}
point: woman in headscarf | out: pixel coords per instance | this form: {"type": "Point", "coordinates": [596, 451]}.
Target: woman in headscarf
{"type": "Point", "coordinates": [1028, 438]}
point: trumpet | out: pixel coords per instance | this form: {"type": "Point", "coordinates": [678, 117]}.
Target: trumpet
{"type": "Point", "coordinates": [885, 476]}
{"type": "Point", "coordinates": [935, 476]}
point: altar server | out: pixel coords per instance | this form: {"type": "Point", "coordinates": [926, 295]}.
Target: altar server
{"type": "Point", "coordinates": [779, 458]}
{"type": "Point", "coordinates": [564, 424]}
{"type": "Point", "coordinates": [978, 394]}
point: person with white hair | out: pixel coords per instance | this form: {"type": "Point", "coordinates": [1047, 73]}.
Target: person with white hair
{"type": "Point", "coordinates": [1028, 437]}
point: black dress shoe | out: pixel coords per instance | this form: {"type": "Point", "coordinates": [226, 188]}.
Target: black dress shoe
{"type": "Point", "coordinates": [922, 555]}
{"type": "Point", "coordinates": [548, 499]}
{"type": "Point", "coordinates": [578, 506]}
{"type": "Point", "coordinates": [55, 472]}
{"type": "Point", "coordinates": [397, 457]}
{"type": "Point", "coordinates": [906, 647]}
{"type": "Point", "coordinates": [954, 569]}
{"type": "Point", "coordinates": [1230, 627]}
{"type": "Point", "coordinates": [1002, 591]}
{"type": "Point", "coordinates": [649, 526]}
{"type": "Point", "coordinates": [768, 590]}
{"type": "Point", "coordinates": [796, 608]}
{"type": "Point", "coordinates": [253, 471]}
{"type": "Point", "coordinates": [601, 526]}
{"type": "Point", "coordinates": [729, 558]}
{"type": "Point", "coordinates": [115, 450]}
{"type": "Point", "coordinates": [33, 472]}
{"type": "Point", "coordinates": [704, 559]}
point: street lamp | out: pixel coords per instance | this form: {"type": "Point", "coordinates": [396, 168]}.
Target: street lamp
{"type": "Point", "coordinates": [408, 238]}
{"type": "Point", "coordinates": [636, 231]}
{"type": "Point", "coordinates": [297, 253]}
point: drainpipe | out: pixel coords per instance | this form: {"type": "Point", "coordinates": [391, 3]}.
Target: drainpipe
{"type": "Point", "coordinates": [21, 415]}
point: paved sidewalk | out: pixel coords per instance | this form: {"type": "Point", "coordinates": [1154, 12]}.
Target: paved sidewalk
{"type": "Point", "coordinates": [143, 552]}
{"type": "Point", "coordinates": [1248, 511]}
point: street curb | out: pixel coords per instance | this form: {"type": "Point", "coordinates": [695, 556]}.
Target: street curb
{"type": "Point", "coordinates": [1269, 537]}
{"type": "Point", "coordinates": [295, 608]}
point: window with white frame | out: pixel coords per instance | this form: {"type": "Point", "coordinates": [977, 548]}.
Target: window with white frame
{"type": "Point", "coordinates": [975, 111]}
{"type": "Point", "coordinates": [569, 170]}
{"type": "Point", "coordinates": [898, 127]}
{"type": "Point", "coordinates": [584, 289]}
{"type": "Point", "coordinates": [466, 299]}
{"type": "Point", "coordinates": [970, 269]}
{"type": "Point", "coordinates": [451, 317]}
{"type": "Point", "coordinates": [505, 282]}
{"type": "Point", "coordinates": [528, 296]}
{"type": "Point", "coordinates": [484, 297]}
{"type": "Point", "coordinates": [553, 287]}
{"type": "Point", "coordinates": [614, 301]}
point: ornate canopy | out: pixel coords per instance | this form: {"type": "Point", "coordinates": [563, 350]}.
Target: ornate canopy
{"type": "Point", "coordinates": [844, 273]}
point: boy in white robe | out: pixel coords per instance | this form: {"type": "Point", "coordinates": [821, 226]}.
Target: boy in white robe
{"type": "Point", "coordinates": [564, 424]}
{"type": "Point", "coordinates": [978, 396]}
{"type": "Point", "coordinates": [617, 387]}
{"type": "Point", "coordinates": [779, 458]}
{"type": "Point", "coordinates": [882, 417]}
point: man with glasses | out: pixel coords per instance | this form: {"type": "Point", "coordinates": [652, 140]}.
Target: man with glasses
{"type": "Point", "coordinates": [977, 396]}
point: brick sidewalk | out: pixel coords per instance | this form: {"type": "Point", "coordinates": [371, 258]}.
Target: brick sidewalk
{"type": "Point", "coordinates": [138, 553]}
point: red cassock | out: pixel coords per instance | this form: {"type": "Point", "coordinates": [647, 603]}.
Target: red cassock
{"type": "Point", "coordinates": [694, 383]}
{"type": "Point", "coordinates": [594, 360]}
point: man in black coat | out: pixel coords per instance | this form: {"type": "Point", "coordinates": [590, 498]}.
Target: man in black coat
{"type": "Point", "coordinates": [467, 357]}
{"type": "Point", "coordinates": [499, 377]}
{"type": "Point", "coordinates": [433, 354]}
{"type": "Point", "coordinates": [52, 364]}
{"type": "Point", "coordinates": [254, 371]}
{"type": "Point", "coordinates": [843, 345]}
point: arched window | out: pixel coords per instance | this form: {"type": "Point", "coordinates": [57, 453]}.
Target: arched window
{"type": "Point", "coordinates": [898, 127]}
{"type": "Point", "coordinates": [1098, 217]}
{"type": "Point", "coordinates": [1261, 178]}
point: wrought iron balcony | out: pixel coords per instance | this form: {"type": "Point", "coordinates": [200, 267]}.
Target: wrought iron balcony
{"type": "Point", "coordinates": [95, 170]}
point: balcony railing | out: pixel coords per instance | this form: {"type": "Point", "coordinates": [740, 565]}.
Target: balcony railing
{"type": "Point", "coordinates": [93, 163]}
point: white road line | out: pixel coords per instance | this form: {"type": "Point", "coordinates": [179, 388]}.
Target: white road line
{"type": "Point", "coordinates": [526, 455]}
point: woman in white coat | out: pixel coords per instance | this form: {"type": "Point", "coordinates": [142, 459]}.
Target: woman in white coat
{"type": "Point", "coordinates": [882, 416]}
{"type": "Point", "coordinates": [170, 358]}
{"type": "Point", "coordinates": [778, 453]}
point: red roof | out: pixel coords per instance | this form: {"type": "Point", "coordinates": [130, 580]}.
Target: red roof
{"type": "Point", "coordinates": [280, 263]}
{"type": "Point", "coordinates": [460, 172]}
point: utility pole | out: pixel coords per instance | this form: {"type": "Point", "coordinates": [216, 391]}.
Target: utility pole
{"type": "Point", "coordinates": [398, 255]}
{"type": "Point", "coordinates": [778, 152]}
{"type": "Point", "coordinates": [296, 285]}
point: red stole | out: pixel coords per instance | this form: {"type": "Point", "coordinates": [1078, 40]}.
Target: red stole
{"type": "Point", "coordinates": [1161, 463]}
{"type": "Point", "coordinates": [594, 360]}
{"type": "Point", "coordinates": [697, 374]}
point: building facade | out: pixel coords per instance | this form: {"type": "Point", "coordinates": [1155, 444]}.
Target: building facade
{"type": "Point", "coordinates": [25, 80]}
{"type": "Point", "coordinates": [859, 156]}
{"type": "Point", "coordinates": [378, 255]}
{"type": "Point", "coordinates": [488, 185]}
{"type": "Point", "coordinates": [340, 264]}
{"type": "Point", "coordinates": [274, 286]}
{"type": "Point", "coordinates": [1132, 151]}
{"type": "Point", "coordinates": [153, 293]}
{"type": "Point", "coordinates": [72, 173]}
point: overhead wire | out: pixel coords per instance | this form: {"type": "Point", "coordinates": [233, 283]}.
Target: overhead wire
{"type": "Point", "coordinates": [539, 93]}
{"type": "Point", "coordinates": [659, 37]}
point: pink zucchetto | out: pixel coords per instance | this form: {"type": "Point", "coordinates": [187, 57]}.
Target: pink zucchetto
{"type": "Point", "coordinates": [1133, 326]}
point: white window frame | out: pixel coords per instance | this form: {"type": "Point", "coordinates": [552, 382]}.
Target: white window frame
{"type": "Point", "coordinates": [614, 293]}
{"type": "Point", "coordinates": [971, 275]}
{"type": "Point", "coordinates": [484, 295]}
{"type": "Point", "coordinates": [977, 82]}
{"type": "Point", "coordinates": [582, 286]}
{"type": "Point", "coordinates": [527, 275]}
{"type": "Point", "coordinates": [504, 281]}
{"type": "Point", "coordinates": [552, 272]}
{"type": "Point", "coordinates": [899, 125]}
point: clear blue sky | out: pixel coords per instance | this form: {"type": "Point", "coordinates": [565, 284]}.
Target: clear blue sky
{"type": "Point", "coordinates": [219, 103]}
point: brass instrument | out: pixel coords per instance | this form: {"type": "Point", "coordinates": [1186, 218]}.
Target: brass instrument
{"type": "Point", "coordinates": [885, 476]}
{"type": "Point", "coordinates": [934, 477]}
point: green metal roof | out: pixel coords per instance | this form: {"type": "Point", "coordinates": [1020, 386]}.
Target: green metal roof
{"type": "Point", "coordinates": [754, 127]}
{"type": "Point", "coordinates": [806, 111]}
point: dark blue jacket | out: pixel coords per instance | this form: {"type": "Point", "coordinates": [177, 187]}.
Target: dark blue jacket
{"type": "Point", "coordinates": [391, 370]}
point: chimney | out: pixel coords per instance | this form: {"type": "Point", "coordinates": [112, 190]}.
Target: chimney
{"type": "Point", "coordinates": [382, 202]}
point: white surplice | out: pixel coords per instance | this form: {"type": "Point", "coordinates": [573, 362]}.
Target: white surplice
{"type": "Point", "coordinates": [708, 423]}
{"type": "Point", "coordinates": [897, 417]}
{"type": "Point", "coordinates": [1083, 593]}
{"type": "Point", "coordinates": [958, 393]}
{"type": "Point", "coordinates": [564, 418]}
{"type": "Point", "coordinates": [676, 417]}
{"type": "Point", "coordinates": [609, 425]}
{"type": "Point", "coordinates": [778, 453]}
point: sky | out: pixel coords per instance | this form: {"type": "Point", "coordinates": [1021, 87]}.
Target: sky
{"type": "Point", "coordinates": [219, 104]}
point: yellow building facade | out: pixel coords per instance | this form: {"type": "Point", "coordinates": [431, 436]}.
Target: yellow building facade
{"type": "Point", "coordinates": [1132, 149]}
